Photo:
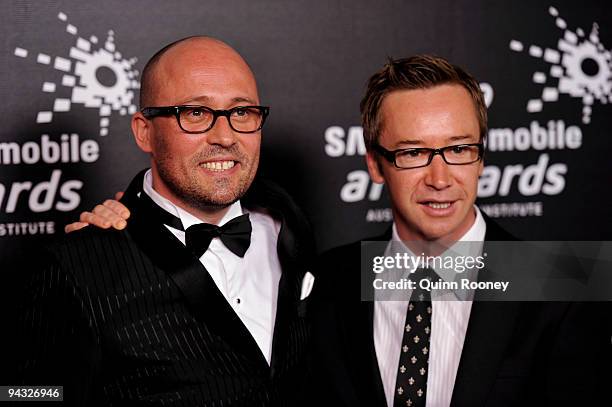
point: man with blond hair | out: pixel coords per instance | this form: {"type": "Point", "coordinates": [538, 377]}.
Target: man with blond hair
{"type": "Point", "coordinates": [425, 125]}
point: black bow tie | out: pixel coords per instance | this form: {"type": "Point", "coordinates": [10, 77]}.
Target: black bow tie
{"type": "Point", "coordinates": [235, 235]}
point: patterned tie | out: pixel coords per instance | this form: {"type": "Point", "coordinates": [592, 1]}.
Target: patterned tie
{"type": "Point", "coordinates": [235, 235]}
{"type": "Point", "coordinates": [411, 382]}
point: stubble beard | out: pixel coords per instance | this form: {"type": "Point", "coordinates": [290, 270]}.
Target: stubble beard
{"type": "Point", "coordinates": [187, 183]}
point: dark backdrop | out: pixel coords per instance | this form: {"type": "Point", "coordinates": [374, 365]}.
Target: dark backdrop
{"type": "Point", "coordinates": [312, 60]}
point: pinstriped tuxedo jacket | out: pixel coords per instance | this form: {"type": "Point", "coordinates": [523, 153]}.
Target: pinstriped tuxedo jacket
{"type": "Point", "coordinates": [128, 318]}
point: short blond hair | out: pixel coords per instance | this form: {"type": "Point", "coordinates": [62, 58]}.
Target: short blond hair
{"type": "Point", "coordinates": [416, 72]}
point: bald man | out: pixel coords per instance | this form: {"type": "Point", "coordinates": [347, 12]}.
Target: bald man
{"type": "Point", "coordinates": [201, 300]}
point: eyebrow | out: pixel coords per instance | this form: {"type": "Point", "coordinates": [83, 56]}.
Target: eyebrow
{"type": "Point", "coordinates": [417, 142]}
{"type": "Point", "coordinates": [207, 99]}
{"type": "Point", "coordinates": [461, 138]}
{"type": "Point", "coordinates": [243, 99]}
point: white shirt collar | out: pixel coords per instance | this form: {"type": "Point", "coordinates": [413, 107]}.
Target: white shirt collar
{"type": "Point", "coordinates": [187, 219]}
{"type": "Point", "coordinates": [477, 232]}
{"type": "Point", "coordinates": [473, 238]}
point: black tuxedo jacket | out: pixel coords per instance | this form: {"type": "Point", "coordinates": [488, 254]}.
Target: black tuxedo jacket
{"type": "Point", "coordinates": [514, 354]}
{"type": "Point", "coordinates": [129, 318]}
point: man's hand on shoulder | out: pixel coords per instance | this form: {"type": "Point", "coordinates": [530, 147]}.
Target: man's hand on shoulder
{"type": "Point", "coordinates": [110, 213]}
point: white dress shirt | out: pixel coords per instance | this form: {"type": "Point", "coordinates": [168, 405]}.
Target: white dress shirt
{"type": "Point", "coordinates": [249, 284]}
{"type": "Point", "coordinates": [449, 324]}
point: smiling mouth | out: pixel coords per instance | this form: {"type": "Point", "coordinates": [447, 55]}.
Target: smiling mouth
{"type": "Point", "coordinates": [219, 166]}
{"type": "Point", "coordinates": [438, 205]}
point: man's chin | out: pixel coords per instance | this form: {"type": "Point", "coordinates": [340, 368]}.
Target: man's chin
{"type": "Point", "coordinates": [213, 202]}
{"type": "Point", "coordinates": [438, 232]}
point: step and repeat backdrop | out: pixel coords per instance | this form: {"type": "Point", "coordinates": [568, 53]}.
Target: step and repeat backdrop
{"type": "Point", "coordinates": [69, 80]}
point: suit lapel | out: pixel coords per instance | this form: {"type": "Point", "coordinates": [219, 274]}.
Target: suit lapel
{"type": "Point", "coordinates": [286, 305]}
{"type": "Point", "coordinates": [295, 251]}
{"type": "Point", "coordinates": [190, 276]}
{"type": "Point", "coordinates": [489, 331]}
{"type": "Point", "coordinates": [488, 334]}
{"type": "Point", "coordinates": [294, 266]}
{"type": "Point", "coordinates": [356, 365]}
{"type": "Point", "coordinates": [370, 385]}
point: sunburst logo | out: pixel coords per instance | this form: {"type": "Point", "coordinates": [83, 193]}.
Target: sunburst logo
{"type": "Point", "coordinates": [580, 67]}
{"type": "Point", "coordinates": [100, 77]}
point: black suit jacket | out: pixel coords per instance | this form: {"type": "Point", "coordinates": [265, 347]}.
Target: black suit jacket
{"type": "Point", "coordinates": [514, 354]}
{"type": "Point", "coordinates": [128, 318]}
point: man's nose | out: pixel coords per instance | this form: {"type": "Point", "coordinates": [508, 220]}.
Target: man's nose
{"type": "Point", "coordinates": [222, 133]}
{"type": "Point", "coordinates": [438, 173]}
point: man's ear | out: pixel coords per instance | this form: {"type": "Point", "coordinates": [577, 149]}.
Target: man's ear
{"type": "Point", "coordinates": [374, 167]}
{"type": "Point", "coordinates": [141, 128]}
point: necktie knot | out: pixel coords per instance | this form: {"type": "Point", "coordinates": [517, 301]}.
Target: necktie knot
{"type": "Point", "coordinates": [235, 235]}
{"type": "Point", "coordinates": [422, 273]}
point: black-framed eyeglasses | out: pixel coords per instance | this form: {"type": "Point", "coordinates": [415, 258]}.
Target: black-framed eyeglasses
{"type": "Point", "coordinates": [460, 154]}
{"type": "Point", "coordinates": [194, 119]}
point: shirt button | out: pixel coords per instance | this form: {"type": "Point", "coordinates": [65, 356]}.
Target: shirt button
{"type": "Point", "coordinates": [237, 300]}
